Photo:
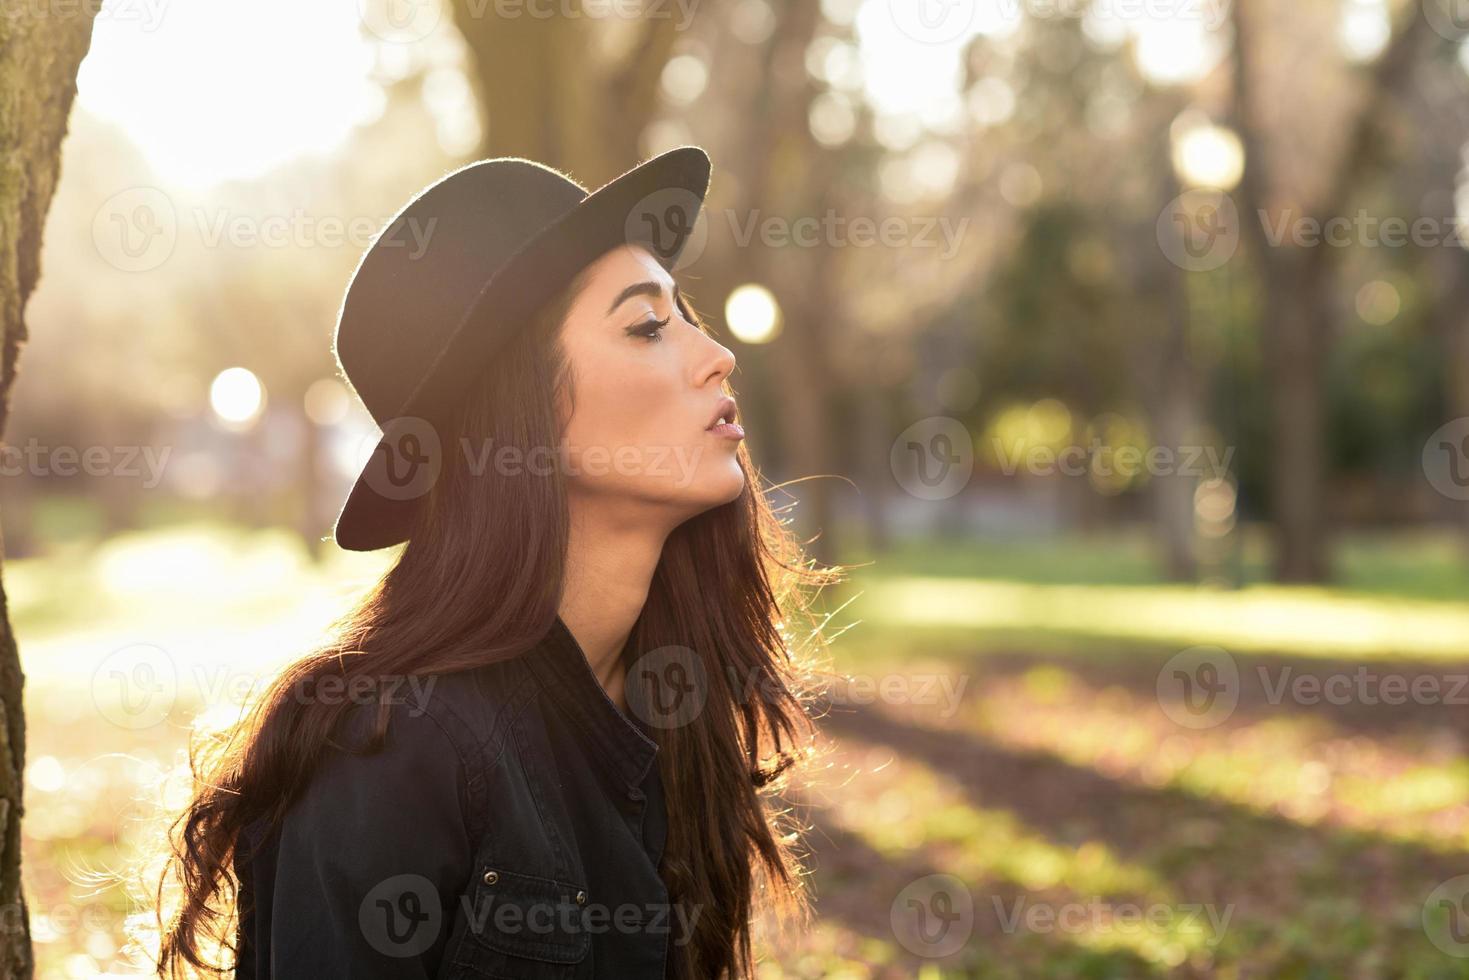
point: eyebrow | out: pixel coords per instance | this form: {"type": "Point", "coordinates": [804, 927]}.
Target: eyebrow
{"type": "Point", "coordinates": [646, 288]}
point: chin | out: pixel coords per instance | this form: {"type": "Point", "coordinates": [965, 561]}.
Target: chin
{"type": "Point", "coordinates": [716, 489]}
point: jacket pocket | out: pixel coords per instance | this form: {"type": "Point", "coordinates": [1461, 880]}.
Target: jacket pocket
{"type": "Point", "coordinates": [524, 927]}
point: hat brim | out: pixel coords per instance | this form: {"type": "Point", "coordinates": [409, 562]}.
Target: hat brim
{"type": "Point", "coordinates": [655, 204]}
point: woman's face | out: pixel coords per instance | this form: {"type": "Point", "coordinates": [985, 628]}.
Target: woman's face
{"type": "Point", "coordinates": [647, 394]}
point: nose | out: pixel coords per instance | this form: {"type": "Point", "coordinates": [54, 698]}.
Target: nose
{"type": "Point", "coordinates": [716, 363]}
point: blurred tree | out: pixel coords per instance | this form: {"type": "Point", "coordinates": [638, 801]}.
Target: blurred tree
{"type": "Point", "coordinates": [41, 49]}
{"type": "Point", "coordinates": [1438, 120]}
{"type": "Point", "coordinates": [1087, 308]}
{"type": "Point", "coordinates": [1297, 281]}
{"type": "Point", "coordinates": [575, 92]}
{"type": "Point", "coordinates": [779, 168]}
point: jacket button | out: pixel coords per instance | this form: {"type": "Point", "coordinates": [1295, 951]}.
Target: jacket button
{"type": "Point", "coordinates": [491, 877]}
{"type": "Point", "coordinates": [581, 898]}
{"type": "Point", "coordinates": [635, 794]}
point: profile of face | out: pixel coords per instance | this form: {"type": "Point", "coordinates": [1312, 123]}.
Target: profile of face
{"type": "Point", "coordinates": [648, 425]}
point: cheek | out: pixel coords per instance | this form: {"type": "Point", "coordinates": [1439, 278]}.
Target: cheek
{"type": "Point", "coordinates": [620, 405]}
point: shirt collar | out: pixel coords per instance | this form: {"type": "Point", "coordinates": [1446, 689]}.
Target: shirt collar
{"type": "Point", "coordinates": [562, 667]}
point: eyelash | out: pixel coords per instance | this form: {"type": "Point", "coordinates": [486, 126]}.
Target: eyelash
{"type": "Point", "coordinates": [652, 330]}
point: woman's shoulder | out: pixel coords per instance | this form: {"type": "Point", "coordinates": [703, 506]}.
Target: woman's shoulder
{"type": "Point", "coordinates": [429, 718]}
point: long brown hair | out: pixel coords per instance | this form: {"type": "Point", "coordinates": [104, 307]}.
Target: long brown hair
{"type": "Point", "coordinates": [732, 586]}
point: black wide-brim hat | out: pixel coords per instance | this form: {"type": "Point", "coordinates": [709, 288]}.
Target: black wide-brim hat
{"type": "Point", "coordinates": [466, 263]}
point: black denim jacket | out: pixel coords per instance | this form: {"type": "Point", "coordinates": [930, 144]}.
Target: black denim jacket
{"type": "Point", "coordinates": [510, 827]}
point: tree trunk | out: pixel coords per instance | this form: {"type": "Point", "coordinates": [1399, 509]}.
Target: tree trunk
{"type": "Point", "coordinates": [1295, 325]}
{"type": "Point", "coordinates": [1451, 324]}
{"type": "Point", "coordinates": [550, 91]}
{"type": "Point", "coordinates": [40, 52]}
{"type": "Point", "coordinates": [1296, 280]}
{"type": "Point", "coordinates": [1176, 410]}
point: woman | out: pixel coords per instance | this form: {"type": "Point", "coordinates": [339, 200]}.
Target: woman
{"type": "Point", "coordinates": [544, 745]}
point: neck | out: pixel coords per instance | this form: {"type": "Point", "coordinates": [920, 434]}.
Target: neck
{"type": "Point", "coordinates": [609, 568]}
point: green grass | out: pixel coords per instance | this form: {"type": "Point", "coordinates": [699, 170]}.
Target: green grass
{"type": "Point", "coordinates": [1428, 565]}
{"type": "Point", "coordinates": [1055, 779]}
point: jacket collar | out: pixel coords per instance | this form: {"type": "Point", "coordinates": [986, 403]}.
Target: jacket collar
{"type": "Point", "coordinates": [563, 670]}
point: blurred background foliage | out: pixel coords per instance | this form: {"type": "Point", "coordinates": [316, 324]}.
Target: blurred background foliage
{"type": "Point", "coordinates": [1081, 196]}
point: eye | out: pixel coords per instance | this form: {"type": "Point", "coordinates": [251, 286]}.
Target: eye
{"type": "Point", "coordinates": [651, 330]}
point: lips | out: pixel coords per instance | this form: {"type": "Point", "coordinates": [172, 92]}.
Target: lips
{"type": "Point", "coordinates": [724, 412]}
